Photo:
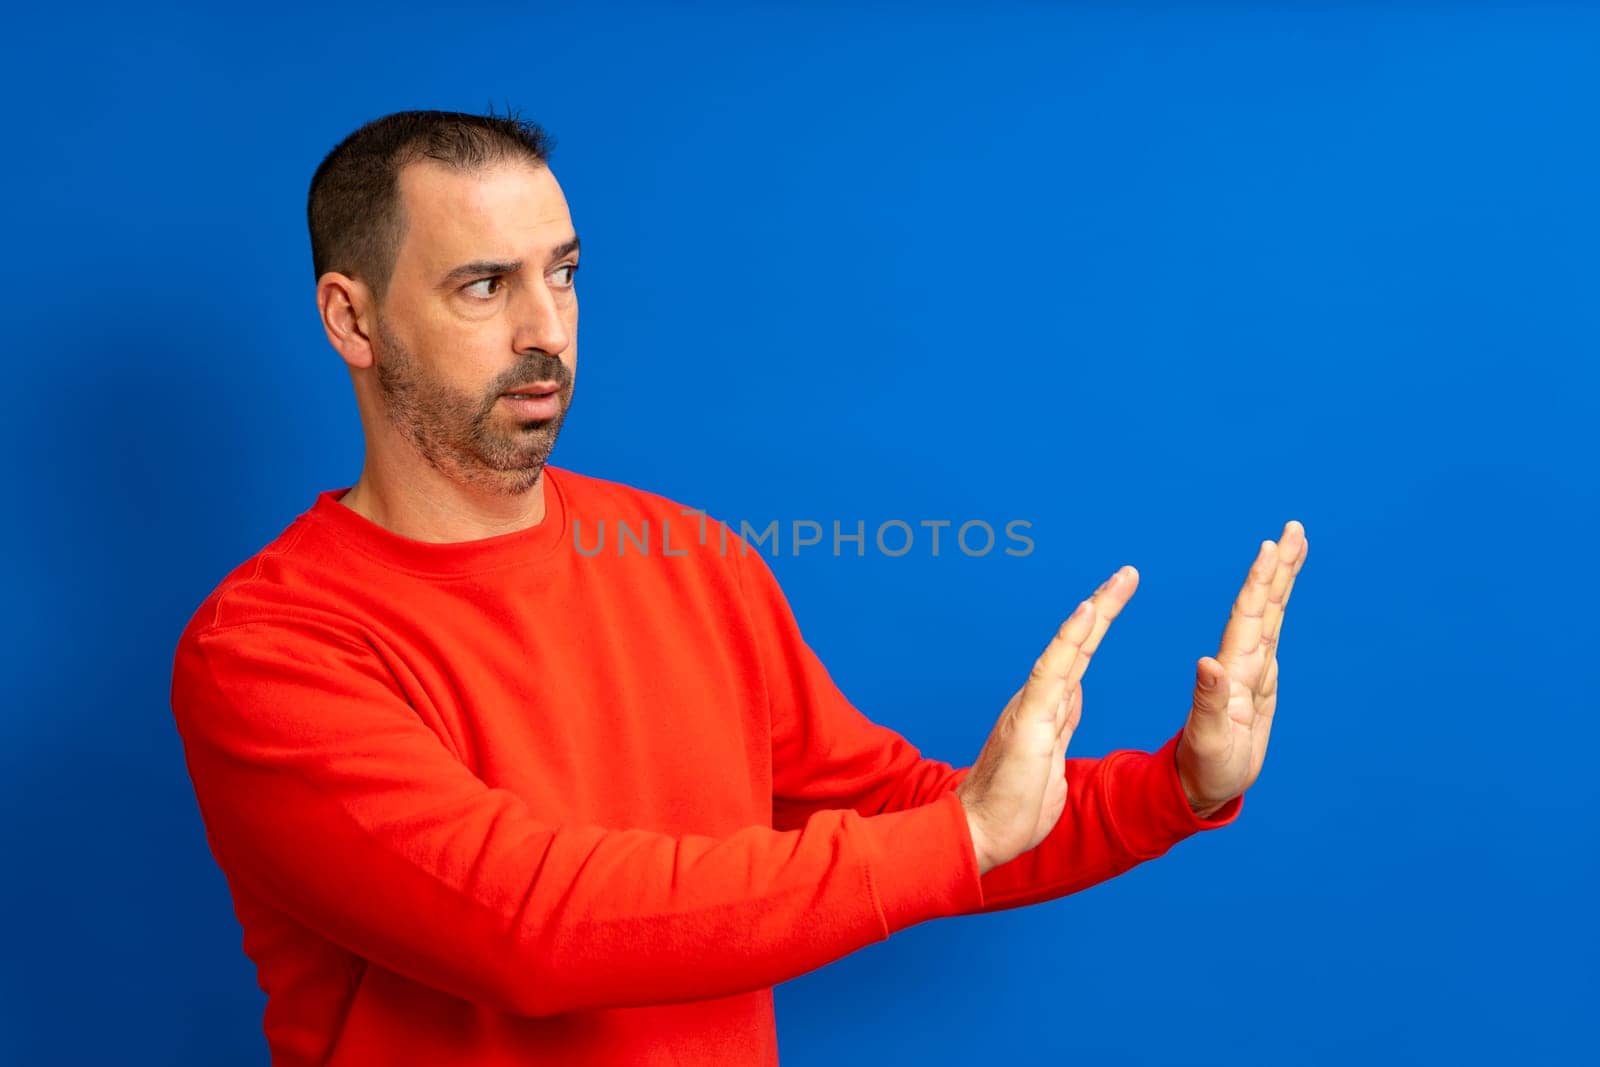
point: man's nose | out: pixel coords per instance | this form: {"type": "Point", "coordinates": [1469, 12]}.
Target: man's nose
{"type": "Point", "coordinates": [540, 323]}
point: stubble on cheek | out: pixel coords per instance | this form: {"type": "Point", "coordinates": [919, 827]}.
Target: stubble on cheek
{"type": "Point", "coordinates": [471, 439]}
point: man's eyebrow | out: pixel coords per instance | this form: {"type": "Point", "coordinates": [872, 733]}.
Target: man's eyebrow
{"type": "Point", "coordinates": [484, 267]}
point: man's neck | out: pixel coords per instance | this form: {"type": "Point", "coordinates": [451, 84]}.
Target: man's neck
{"type": "Point", "coordinates": [433, 508]}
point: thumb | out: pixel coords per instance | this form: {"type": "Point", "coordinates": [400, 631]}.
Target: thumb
{"type": "Point", "coordinates": [1211, 686]}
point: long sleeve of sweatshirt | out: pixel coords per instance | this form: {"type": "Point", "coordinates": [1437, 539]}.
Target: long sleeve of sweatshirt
{"type": "Point", "coordinates": [1122, 808]}
{"type": "Point", "coordinates": [324, 795]}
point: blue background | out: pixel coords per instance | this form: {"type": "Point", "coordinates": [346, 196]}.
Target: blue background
{"type": "Point", "coordinates": [1153, 279]}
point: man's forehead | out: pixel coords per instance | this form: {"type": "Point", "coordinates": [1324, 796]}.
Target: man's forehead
{"type": "Point", "coordinates": [507, 209]}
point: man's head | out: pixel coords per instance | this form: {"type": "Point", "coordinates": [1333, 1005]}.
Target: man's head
{"type": "Point", "coordinates": [445, 258]}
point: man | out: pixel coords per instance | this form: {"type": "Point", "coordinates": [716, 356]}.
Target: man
{"type": "Point", "coordinates": [483, 798]}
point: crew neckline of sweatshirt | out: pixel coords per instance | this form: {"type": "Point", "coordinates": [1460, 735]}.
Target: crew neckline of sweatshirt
{"type": "Point", "coordinates": [447, 558]}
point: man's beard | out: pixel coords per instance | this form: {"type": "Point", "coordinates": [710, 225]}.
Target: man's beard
{"type": "Point", "coordinates": [464, 437]}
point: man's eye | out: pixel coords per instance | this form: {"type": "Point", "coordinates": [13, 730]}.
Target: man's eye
{"type": "Point", "coordinates": [572, 272]}
{"type": "Point", "coordinates": [485, 281]}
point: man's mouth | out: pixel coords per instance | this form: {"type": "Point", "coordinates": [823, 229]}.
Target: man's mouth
{"type": "Point", "coordinates": [536, 389]}
{"type": "Point", "coordinates": [541, 401]}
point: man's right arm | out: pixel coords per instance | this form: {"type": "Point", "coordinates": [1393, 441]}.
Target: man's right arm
{"type": "Point", "coordinates": [325, 795]}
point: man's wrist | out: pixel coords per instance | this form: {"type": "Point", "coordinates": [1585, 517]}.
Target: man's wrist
{"type": "Point", "coordinates": [1201, 811]}
{"type": "Point", "coordinates": [1208, 811]}
{"type": "Point", "coordinates": [985, 865]}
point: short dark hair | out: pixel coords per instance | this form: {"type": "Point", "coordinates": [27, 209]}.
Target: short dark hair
{"type": "Point", "coordinates": [353, 209]}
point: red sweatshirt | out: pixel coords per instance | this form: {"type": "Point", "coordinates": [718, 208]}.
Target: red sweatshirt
{"type": "Point", "coordinates": [518, 801]}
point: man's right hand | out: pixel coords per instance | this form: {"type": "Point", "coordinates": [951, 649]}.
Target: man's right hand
{"type": "Point", "coordinates": [1017, 789]}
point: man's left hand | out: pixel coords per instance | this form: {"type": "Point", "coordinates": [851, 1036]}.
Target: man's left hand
{"type": "Point", "coordinates": [1225, 739]}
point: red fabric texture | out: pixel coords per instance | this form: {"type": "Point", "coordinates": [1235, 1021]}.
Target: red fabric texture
{"type": "Point", "coordinates": [518, 800]}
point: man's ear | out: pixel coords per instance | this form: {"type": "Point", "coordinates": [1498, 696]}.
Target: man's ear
{"type": "Point", "coordinates": [346, 306]}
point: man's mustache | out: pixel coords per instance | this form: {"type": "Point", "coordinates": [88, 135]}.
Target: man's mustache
{"type": "Point", "coordinates": [548, 369]}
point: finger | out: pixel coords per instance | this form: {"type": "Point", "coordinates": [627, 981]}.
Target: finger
{"type": "Point", "coordinates": [1243, 632]}
{"type": "Point", "coordinates": [1210, 713]}
{"type": "Point", "coordinates": [1269, 685]}
{"type": "Point", "coordinates": [1291, 554]}
{"type": "Point", "coordinates": [1113, 593]}
{"type": "Point", "coordinates": [1109, 600]}
{"type": "Point", "coordinates": [1070, 713]}
{"type": "Point", "coordinates": [1048, 682]}
{"type": "Point", "coordinates": [1058, 754]}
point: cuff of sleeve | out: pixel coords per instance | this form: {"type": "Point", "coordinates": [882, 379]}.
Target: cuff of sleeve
{"type": "Point", "coordinates": [1147, 806]}
{"type": "Point", "coordinates": [921, 863]}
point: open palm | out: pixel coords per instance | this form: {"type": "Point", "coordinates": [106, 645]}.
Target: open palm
{"type": "Point", "coordinates": [1236, 692]}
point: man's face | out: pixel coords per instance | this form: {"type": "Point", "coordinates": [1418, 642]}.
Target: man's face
{"type": "Point", "coordinates": [453, 339]}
